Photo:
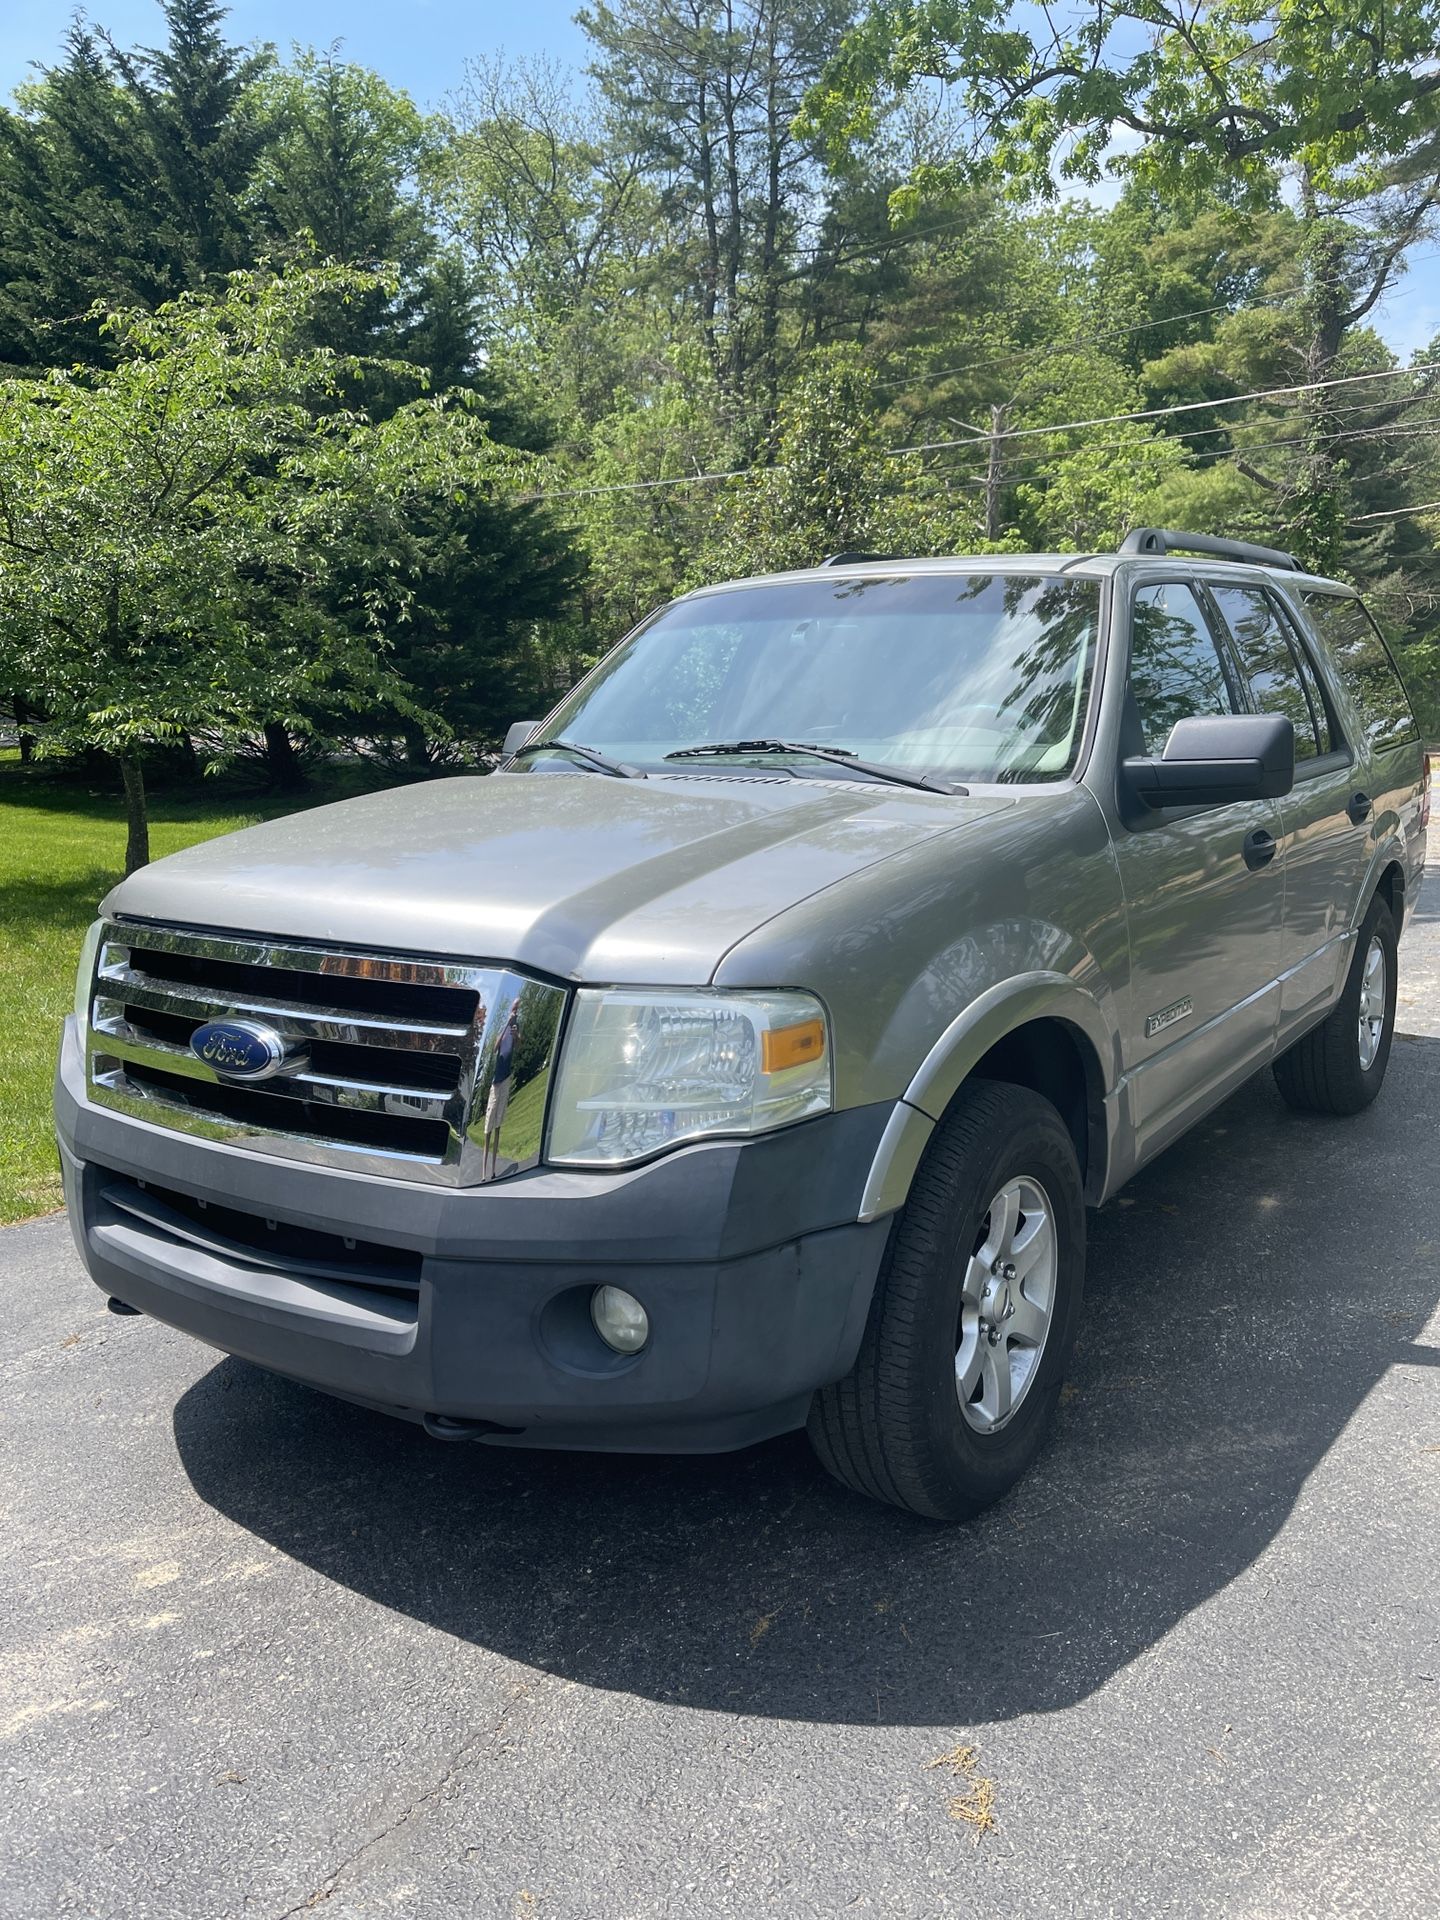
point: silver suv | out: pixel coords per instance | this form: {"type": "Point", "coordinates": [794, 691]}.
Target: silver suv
{"type": "Point", "coordinates": [743, 1053]}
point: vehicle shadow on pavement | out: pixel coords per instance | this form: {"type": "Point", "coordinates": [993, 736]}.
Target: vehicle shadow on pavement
{"type": "Point", "coordinates": [1246, 1293]}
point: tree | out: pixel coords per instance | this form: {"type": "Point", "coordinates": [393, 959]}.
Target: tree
{"type": "Point", "coordinates": [72, 228]}
{"type": "Point", "coordinates": [566, 246]}
{"type": "Point", "coordinates": [194, 104]}
{"type": "Point", "coordinates": [123, 178]}
{"type": "Point", "coordinates": [190, 545]}
{"type": "Point", "coordinates": [833, 485]}
{"type": "Point", "coordinates": [482, 566]}
{"type": "Point", "coordinates": [1220, 99]}
{"type": "Point", "coordinates": [337, 177]}
{"type": "Point", "coordinates": [705, 93]}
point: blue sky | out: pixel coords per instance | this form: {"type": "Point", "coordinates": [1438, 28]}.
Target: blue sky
{"type": "Point", "coordinates": [416, 44]}
{"type": "Point", "coordinates": [421, 45]}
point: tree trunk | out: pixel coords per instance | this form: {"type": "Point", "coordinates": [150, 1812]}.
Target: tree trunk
{"type": "Point", "coordinates": [22, 732]}
{"type": "Point", "coordinates": [282, 759]}
{"type": "Point", "coordinates": [137, 818]}
{"type": "Point", "coordinates": [775, 130]}
{"type": "Point", "coordinates": [734, 221]}
{"type": "Point", "coordinates": [710, 290]}
{"type": "Point", "coordinates": [417, 749]}
{"type": "Point", "coordinates": [1322, 509]}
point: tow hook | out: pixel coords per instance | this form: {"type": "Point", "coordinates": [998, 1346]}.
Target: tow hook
{"type": "Point", "coordinates": [444, 1426]}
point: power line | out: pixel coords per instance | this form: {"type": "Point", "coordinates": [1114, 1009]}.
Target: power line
{"type": "Point", "coordinates": [975, 475]}
{"type": "Point", "coordinates": [1168, 413]}
{"type": "Point", "coordinates": [1011, 433]}
{"type": "Point", "coordinates": [1049, 350]}
{"type": "Point", "coordinates": [1394, 513]}
{"type": "Point", "coordinates": [642, 486]}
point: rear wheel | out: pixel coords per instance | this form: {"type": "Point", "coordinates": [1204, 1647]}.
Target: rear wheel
{"type": "Point", "coordinates": [973, 1318]}
{"type": "Point", "coordinates": [1339, 1066]}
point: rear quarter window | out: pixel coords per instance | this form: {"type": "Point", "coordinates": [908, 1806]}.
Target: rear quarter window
{"type": "Point", "coordinates": [1366, 670]}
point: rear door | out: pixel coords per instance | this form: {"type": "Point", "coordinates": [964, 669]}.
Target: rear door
{"type": "Point", "coordinates": [1203, 886]}
{"type": "Point", "coordinates": [1326, 820]}
{"type": "Point", "coordinates": [1381, 720]}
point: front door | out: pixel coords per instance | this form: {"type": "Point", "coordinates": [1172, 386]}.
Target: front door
{"type": "Point", "coordinates": [1204, 887]}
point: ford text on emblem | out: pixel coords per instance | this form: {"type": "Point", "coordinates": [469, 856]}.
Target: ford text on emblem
{"type": "Point", "coordinates": [240, 1049]}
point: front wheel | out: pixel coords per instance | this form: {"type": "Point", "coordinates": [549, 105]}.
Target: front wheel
{"type": "Point", "coordinates": [1339, 1066]}
{"type": "Point", "coordinates": [974, 1315]}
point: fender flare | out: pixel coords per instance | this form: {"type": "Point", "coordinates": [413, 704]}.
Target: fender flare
{"type": "Point", "coordinates": [1389, 852]}
{"type": "Point", "coordinates": [969, 1037]}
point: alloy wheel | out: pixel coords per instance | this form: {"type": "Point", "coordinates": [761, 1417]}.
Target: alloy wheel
{"type": "Point", "coordinates": [1372, 1003]}
{"type": "Point", "coordinates": [1007, 1304]}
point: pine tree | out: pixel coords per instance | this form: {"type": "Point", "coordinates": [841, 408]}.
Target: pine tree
{"type": "Point", "coordinates": [123, 178]}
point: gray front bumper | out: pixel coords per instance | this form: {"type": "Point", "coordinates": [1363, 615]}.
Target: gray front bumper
{"type": "Point", "coordinates": [747, 1256]}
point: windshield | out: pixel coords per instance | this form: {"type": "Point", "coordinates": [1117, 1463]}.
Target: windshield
{"type": "Point", "coordinates": [980, 676]}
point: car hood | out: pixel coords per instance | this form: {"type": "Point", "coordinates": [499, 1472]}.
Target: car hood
{"type": "Point", "coordinates": [577, 875]}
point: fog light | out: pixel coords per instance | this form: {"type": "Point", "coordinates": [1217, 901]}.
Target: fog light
{"type": "Point", "coordinates": [620, 1320]}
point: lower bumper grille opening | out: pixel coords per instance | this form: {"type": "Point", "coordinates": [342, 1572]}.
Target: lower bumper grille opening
{"type": "Point", "coordinates": [231, 1233]}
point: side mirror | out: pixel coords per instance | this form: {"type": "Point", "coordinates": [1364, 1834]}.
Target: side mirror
{"type": "Point", "coordinates": [516, 735]}
{"type": "Point", "coordinates": [1215, 759]}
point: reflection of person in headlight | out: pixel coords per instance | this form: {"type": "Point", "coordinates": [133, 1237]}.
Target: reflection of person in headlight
{"type": "Point", "coordinates": [501, 1081]}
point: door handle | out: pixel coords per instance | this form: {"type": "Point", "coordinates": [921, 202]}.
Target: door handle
{"type": "Point", "coordinates": [1358, 807]}
{"type": "Point", "coordinates": [1258, 848]}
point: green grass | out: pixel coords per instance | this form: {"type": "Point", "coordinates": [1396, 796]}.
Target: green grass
{"type": "Point", "coordinates": [62, 845]}
{"type": "Point", "coordinates": [525, 1119]}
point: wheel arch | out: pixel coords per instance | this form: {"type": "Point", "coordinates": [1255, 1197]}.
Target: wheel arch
{"type": "Point", "coordinates": [1391, 885]}
{"type": "Point", "coordinates": [1384, 875]}
{"type": "Point", "coordinates": [1039, 1031]}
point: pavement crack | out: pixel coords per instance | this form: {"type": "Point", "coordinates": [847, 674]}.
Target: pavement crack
{"type": "Point", "coordinates": [425, 1798]}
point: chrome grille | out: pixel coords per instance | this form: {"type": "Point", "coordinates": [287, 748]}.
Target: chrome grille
{"type": "Point", "coordinates": [390, 1058]}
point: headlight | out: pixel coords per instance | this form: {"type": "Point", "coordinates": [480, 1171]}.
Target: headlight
{"type": "Point", "coordinates": [643, 1069]}
{"type": "Point", "coordinates": [85, 977]}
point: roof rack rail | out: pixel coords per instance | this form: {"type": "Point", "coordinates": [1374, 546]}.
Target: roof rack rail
{"type": "Point", "coordinates": [1158, 540]}
{"type": "Point", "coordinates": [854, 559]}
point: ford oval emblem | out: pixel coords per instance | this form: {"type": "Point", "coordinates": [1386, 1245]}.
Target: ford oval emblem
{"type": "Point", "coordinates": [240, 1049]}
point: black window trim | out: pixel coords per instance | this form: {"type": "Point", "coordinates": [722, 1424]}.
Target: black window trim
{"type": "Point", "coordinates": [1313, 680]}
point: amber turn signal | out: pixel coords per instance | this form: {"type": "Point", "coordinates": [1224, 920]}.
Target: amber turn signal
{"type": "Point", "coordinates": [798, 1046]}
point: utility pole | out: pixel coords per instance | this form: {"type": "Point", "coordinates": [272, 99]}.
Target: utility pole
{"type": "Point", "coordinates": [995, 472]}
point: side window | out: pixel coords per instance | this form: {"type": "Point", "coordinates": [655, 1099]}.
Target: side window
{"type": "Point", "coordinates": [1175, 670]}
{"type": "Point", "coordinates": [1363, 662]}
{"type": "Point", "coordinates": [1268, 662]}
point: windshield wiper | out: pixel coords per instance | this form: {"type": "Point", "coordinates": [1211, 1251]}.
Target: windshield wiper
{"type": "Point", "coordinates": [841, 756]}
{"type": "Point", "coordinates": [617, 769]}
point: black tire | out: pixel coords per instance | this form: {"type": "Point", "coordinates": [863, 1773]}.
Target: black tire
{"type": "Point", "coordinates": [1324, 1072]}
{"type": "Point", "coordinates": [893, 1428]}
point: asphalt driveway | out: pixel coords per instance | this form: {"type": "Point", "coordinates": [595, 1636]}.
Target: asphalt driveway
{"type": "Point", "coordinates": [262, 1654]}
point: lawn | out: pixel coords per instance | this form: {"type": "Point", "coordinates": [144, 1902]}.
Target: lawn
{"type": "Point", "coordinates": [62, 846]}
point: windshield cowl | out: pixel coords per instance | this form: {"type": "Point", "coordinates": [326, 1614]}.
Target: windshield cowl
{"type": "Point", "coordinates": [845, 757]}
